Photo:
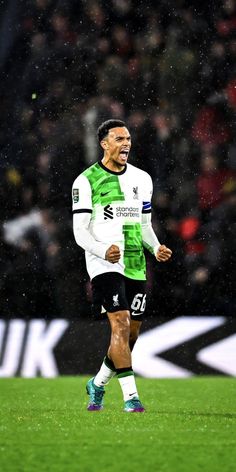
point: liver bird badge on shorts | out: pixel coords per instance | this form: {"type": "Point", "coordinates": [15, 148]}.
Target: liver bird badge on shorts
{"type": "Point", "coordinates": [115, 300]}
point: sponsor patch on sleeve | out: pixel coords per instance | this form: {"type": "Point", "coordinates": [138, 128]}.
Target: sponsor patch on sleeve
{"type": "Point", "coordinates": [75, 195]}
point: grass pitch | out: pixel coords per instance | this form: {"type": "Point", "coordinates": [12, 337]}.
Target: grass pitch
{"type": "Point", "coordinates": [190, 426]}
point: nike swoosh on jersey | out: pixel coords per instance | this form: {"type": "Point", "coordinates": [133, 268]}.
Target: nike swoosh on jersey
{"type": "Point", "coordinates": [104, 193]}
{"type": "Point", "coordinates": [135, 314]}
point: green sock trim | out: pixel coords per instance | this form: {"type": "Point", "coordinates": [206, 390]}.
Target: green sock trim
{"type": "Point", "coordinates": [109, 363]}
{"type": "Point", "coordinates": [125, 374]}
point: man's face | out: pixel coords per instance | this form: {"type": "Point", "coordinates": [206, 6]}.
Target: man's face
{"type": "Point", "coordinates": [117, 145]}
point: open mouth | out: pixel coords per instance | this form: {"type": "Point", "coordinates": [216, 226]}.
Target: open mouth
{"type": "Point", "coordinates": [124, 153]}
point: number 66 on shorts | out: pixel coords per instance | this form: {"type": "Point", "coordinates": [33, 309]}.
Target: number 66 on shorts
{"type": "Point", "coordinates": [138, 304]}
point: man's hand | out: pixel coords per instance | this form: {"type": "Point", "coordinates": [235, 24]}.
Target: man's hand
{"type": "Point", "coordinates": [113, 254]}
{"type": "Point", "coordinates": [163, 254]}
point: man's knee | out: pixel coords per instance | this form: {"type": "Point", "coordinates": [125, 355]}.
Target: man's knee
{"type": "Point", "coordinates": [120, 322]}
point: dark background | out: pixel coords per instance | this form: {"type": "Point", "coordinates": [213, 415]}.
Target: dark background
{"type": "Point", "coordinates": [168, 69]}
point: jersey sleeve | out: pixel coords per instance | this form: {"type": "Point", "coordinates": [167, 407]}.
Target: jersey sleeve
{"type": "Point", "coordinates": [150, 240]}
{"type": "Point", "coordinates": [82, 210]}
{"type": "Point", "coordinates": [81, 195]}
{"type": "Point", "coordinates": [84, 238]}
{"type": "Point", "coordinates": [147, 194]}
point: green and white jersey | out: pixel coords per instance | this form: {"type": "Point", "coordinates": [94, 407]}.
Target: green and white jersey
{"type": "Point", "coordinates": [115, 203]}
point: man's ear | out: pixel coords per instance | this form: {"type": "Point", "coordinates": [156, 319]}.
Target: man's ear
{"type": "Point", "coordinates": [104, 144]}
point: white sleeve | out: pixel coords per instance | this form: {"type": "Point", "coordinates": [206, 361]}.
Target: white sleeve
{"type": "Point", "coordinates": [82, 211]}
{"type": "Point", "coordinates": [150, 240]}
{"type": "Point", "coordinates": [84, 238]}
{"type": "Point", "coordinates": [81, 195]}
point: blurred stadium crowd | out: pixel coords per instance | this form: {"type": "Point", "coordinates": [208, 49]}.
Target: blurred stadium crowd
{"type": "Point", "coordinates": [168, 68]}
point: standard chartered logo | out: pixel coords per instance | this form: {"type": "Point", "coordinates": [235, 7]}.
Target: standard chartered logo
{"type": "Point", "coordinates": [128, 211]}
{"type": "Point", "coordinates": [108, 212]}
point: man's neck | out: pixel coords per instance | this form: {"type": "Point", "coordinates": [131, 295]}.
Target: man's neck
{"type": "Point", "coordinates": [111, 165]}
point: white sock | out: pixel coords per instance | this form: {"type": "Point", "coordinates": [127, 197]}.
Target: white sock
{"type": "Point", "coordinates": [128, 386]}
{"type": "Point", "coordinates": [104, 375]}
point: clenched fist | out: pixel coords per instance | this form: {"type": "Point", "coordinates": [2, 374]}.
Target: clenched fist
{"type": "Point", "coordinates": [113, 254]}
{"type": "Point", "coordinates": [163, 254]}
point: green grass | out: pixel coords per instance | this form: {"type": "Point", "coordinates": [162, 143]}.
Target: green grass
{"type": "Point", "coordinates": [190, 426]}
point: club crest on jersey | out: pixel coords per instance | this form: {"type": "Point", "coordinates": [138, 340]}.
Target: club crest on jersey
{"type": "Point", "coordinates": [135, 193]}
{"type": "Point", "coordinates": [75, 195]}
{"type": "Point", "coordinates": [115, 300]}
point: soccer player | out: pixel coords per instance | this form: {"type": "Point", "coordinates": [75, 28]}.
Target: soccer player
{"type": "Point", "coordinates": [112, 223]}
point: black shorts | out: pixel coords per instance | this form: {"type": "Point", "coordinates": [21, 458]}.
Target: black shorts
{"type": "Point", "coordinates": [114, 292]}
